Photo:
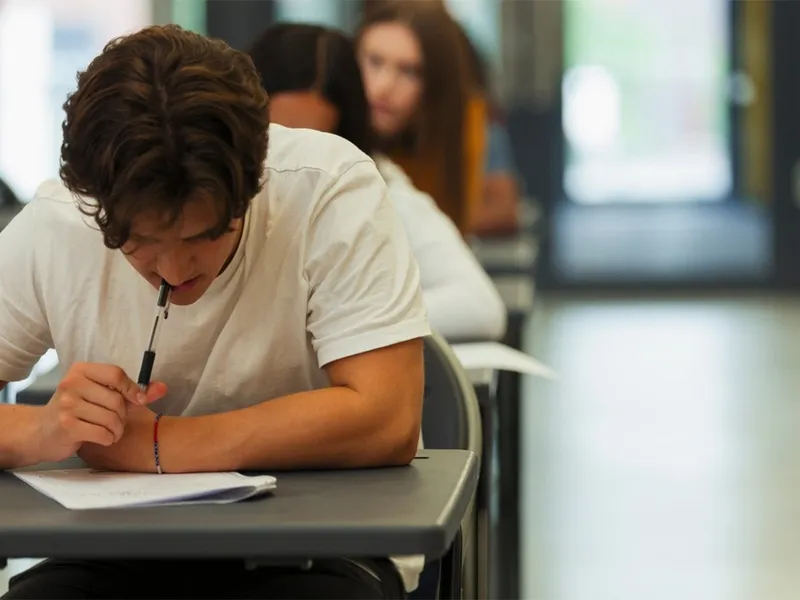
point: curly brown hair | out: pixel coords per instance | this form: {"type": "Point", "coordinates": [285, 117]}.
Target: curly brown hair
{"type": "Point", "coordinates": [159, 117]}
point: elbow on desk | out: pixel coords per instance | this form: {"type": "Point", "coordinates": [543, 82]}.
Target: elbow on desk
{"type": "Point", "coordinates": [395, 445]}
{"type": "Point", "coordinates": [400, 444]}
{"type": "Point", "coordinates": [403, 453]}
{"type": "Point", "coordinates": [392, 451]}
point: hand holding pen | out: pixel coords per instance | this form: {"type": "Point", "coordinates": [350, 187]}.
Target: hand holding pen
{"type": "Point", "coordinates": [91, 403]}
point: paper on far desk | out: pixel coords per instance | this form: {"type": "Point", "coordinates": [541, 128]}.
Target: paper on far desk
{"type": "Point", "coordinates": [84, 488]}
{"type": "Point", "coordinates": [499, 357]}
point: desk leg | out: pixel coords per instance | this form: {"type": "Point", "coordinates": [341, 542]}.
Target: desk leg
{"type": "Point", "coordinates": [450, 582]}
{"type": "Point", "coordinates": [508, 510]}
{"type": "Point", "coordinates": [507, 526]}
{"type": "Point", "coordinates": [486, 505]}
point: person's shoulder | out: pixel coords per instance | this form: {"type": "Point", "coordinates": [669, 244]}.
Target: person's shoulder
{"type": "Point", "coordinates": [52, 198]}
{"type": "Point", "coordinates": [53, 204]}
{"type": "Point", "coordinates": [402, 191]}
{"type": "Point", "coordinates": [306, 152]}
{"type": "Point", "coordinates": [306, 170]}
{"type": "Point", "coordinates": [53, 225]}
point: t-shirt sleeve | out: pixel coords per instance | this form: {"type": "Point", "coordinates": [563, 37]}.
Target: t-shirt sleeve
{"type": "Point", "coordinates": [24, 331]}
{"type": "Point", "coordinates": [364, 284]}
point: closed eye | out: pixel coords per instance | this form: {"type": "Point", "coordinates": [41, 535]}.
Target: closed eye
{"type": "Point", "coordinates": [208, 235]}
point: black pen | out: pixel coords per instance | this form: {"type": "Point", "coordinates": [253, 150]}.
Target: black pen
{"type": "Point", "coordinates": [162, 312]}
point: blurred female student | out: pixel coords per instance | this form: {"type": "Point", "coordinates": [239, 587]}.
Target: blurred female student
{"type": "Point", "coordinates": [313, 79]}
{"type": "Point", "coordinates": [423, 103]}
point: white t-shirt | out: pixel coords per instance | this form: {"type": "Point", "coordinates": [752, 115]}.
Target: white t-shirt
{"type": "Point", "coordinates": [462, 301]}
{"type": "Point", "coordinates": [323, 271]}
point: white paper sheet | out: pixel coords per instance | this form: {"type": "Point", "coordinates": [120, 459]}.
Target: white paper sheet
{"type": "Point", "coordinates": [491, 355]}
{"type": "Point", "coordinates": [80, 489]}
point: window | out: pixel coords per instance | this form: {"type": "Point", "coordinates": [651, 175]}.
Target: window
{"type": "Point", "coordinates": [646, 101]}
{"type": "Point", "coordinates": [481, 20]}
{"type": "Point", "coordinates": [320, 12]}
{"type": "Point", "coordinates": [43, 44]}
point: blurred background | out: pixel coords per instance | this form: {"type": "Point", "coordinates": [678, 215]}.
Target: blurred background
{"type": "Point", "coordinates": [652, 262]}
{"type": "Point", "coordinates": [654, 138]}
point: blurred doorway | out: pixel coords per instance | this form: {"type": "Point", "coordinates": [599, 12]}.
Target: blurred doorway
{"type": "Point", "coordinates": [646, 101]}
{"type": "Point", "coordinates": [649, 118]}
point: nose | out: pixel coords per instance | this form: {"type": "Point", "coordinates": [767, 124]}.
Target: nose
{"type": "Point", "coordinates": [175, 265]}
{"type": "Point", "coordinates": [383, 80]}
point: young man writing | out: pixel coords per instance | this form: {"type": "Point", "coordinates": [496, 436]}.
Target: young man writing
{"type": "Point", "coordinates": [294, 335]}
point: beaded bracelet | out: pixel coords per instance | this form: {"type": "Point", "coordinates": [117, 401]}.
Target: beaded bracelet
{"type": "Point", "coordinates": [155, 443]}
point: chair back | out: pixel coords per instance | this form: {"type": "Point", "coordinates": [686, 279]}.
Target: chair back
{"type": "Point", "coordinates": [450, 413]}
{"type": "Point", "coordinates": [450, 420]}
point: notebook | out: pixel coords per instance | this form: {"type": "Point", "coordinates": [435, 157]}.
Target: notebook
{"type": "Point", "coordinates": [83, 488]}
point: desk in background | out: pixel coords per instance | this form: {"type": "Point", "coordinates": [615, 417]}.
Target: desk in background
{"type": "Point", "coordinates": [489, 570]}
{"type": "Point", "coordinates": [512, 255]}
{"type": "Point", "coordinates": [511, 262]}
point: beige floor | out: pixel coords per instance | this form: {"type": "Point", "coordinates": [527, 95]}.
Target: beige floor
{"type": "Point", "coordinates": [665, 463]}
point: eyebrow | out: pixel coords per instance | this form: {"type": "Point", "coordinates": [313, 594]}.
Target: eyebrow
{"type": "Point", "coordinates": [196, 236]}
{"type": "Point", "coordinates": [202, 234]}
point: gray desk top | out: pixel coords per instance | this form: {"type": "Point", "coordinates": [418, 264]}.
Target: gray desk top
{"type": "Point", "coordinates": [517, 252]}
{"type": "Point", "coordinates": [373, 512]}
{"type": "Point", "coordinates": [517, 292]}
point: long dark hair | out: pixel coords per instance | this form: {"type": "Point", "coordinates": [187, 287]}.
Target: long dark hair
{"type": "Point", "coordinates": [293, 57]}
{"type": "Point", "coordinates": [437, 132]}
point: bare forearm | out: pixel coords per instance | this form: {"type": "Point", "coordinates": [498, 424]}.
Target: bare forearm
{"type": "Point", "coordinates": [18, 445]}
{"type": "Point", "coordinates": [329, 428]}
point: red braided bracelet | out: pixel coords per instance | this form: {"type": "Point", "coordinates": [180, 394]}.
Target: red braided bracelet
{"type": "Point", "coordinates": [155, 443]}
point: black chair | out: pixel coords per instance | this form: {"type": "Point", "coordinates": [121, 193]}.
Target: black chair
{"type": "Point", "coordinates": [450, 420]}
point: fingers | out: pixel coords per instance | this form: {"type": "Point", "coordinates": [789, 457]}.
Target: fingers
{"type": "Point", "coordinates": [114, 377]}
{"type": "Point", "coordinates": [155, 391]}
{"type": "Point", "coordinates": [99, 395]}
{"type": "Point", "coordinates": [93, 414]}
{"type": "Point", "coordinates": [84, 431]}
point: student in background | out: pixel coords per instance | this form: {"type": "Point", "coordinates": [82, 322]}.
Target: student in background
{"type": "Point", "coordinates": [422, 103]}
{"type": "Point", "coordinates": [313, 80]}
